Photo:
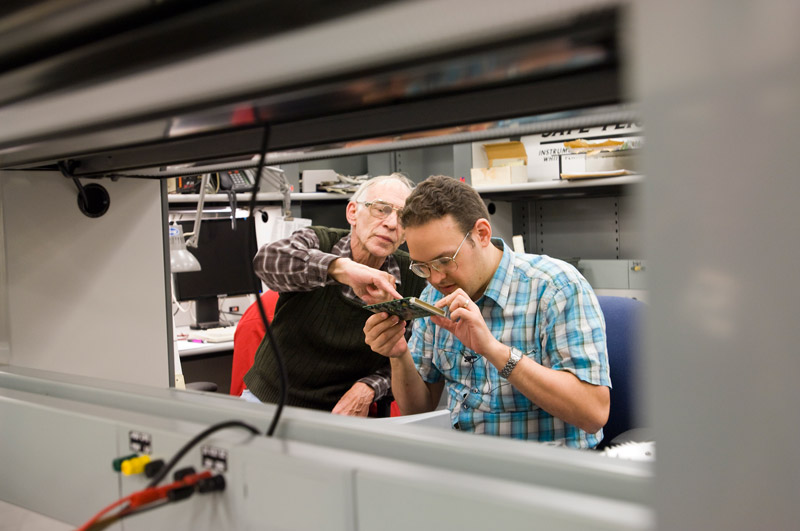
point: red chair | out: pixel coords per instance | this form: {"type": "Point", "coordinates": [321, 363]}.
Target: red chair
{"type": "Point", "coordinates": [249, 333]}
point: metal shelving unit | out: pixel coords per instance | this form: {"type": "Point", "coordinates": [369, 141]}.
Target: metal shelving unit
{"type": "Point", "coordinates": [518, 190]}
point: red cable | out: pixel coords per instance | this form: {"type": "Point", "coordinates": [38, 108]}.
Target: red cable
{"type": "Point", "coordinates": [151, 494]}
{"type": "Point", "coordinates": [147, 496]}
{"type": "Point", "coordinates": [96, 517]}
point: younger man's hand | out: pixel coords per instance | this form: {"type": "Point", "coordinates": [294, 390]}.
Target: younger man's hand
{"type": "Point", "coordinates": [385, 334]}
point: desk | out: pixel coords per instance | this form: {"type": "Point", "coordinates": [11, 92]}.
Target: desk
{"type": "Point", "coordinates": [188, 349]}
{"type": "Point", "coordinates": [206, 362]}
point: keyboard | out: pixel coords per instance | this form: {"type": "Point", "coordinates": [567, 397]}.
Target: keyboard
{"type": "Point", "coordinates": [213, 335]}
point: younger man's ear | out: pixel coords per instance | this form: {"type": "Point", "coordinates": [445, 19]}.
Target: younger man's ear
{"type": "Point", "coordinates": [483, 231]}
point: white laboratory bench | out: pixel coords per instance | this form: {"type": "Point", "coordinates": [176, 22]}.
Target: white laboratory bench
{"type": "Point", "coordinates": [205, 362]}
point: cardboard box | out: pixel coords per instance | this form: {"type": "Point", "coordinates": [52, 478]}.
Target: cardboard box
{"type": "Point", "coordinates": [507, 165]}
{"type": "Point", "coordinates": [544, 149]}
{"type": "Point", "coordinates": [626, 159]}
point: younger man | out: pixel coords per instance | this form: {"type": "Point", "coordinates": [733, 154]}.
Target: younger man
{"type": "Point", "coordinates": [523, 352]}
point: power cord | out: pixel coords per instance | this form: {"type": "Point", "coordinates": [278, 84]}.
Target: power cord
{"type": "Point", "coordinates": [192, 443]}
{"type": "Point", "coordinates": [154, 496]}
{"type": "Point", "coordinates": [284, 377]}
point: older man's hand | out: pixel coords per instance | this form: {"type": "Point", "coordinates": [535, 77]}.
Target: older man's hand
{"type": "Point", "coordinates": [370, 285]}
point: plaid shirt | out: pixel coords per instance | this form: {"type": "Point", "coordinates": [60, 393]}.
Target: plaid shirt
{"type": "Point", "coordinates": [296, 264]}
{"type": "Point", "coordinates": [547, 310]}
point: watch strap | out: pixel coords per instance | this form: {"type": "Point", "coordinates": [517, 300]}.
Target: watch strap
{"type": "Point", "coordinates": [513, 358]}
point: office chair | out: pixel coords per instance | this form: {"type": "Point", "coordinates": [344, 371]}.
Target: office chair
{"type": "Point", "coordinates": [209, 387]}
{"type": "Point", "coordinates": [249, 333]}
{"type": "Point", "coordinates": [623, 324]}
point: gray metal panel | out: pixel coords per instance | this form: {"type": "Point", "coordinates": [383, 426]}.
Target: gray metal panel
{"type": "Point", "coordinates": [462, 161]}
{"type": "Point", "coordinates": [631, 233]}
{"type": "Point", "coordinates": [53, 463]}
{"type": "Point", "coordinates": [308, 488]}
{"type": "Point", "coordinates": [270, 484]}
{"type": "Point", "coordinates": [412, 497]}
{"type": "Point", "coordinates": [605, 274]}
{"type": "Point", "coordinates": [722, 241]}
{"type": "Point", "coordinates": [578, 228]}
{"type": "Point", "coordinates": [419, 164]}
{"type": "Point", "coordinates": [312, 463]}
{"type": "Point", "coordinates": [88, 294]}
{"type": "Point", "coordinates": [292, 173]}
{"type": "Point", "coordinates": [19, 518]}
{"type": "Point", "coordinates": [380, 163]}
{"type": "Point", "coordinates": [5, 353]}
{"type": "Point", "coordinates": [638, 275]}
{"type": "Point", "coordinates": [168, 316]}
{"type": "Point", "coordinates": [322, 70]}
{"type": "Point", "coordinates": [437, 160]}
{"type": "Point", "coordinates": [410, 162]}
{"type": "Point", "coordinates": [484, 457]}
{"type": "Point", "coordinates": [528, 220]}
{"type": "Point", "coordinates": [501, 220]}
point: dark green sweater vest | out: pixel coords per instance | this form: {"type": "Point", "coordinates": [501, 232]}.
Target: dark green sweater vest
{"type": "Point", "coordinates": [321, 339]}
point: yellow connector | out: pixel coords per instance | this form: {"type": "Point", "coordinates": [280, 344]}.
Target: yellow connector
{"type": "Point", "coordinates": [135, 465]}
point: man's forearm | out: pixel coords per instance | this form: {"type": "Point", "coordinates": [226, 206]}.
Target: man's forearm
{"type": "Point", "coordinates": [337, 270]}
{"type": "Point", "coordinates": [413, 395]}
{"type": "Point", "coordinates": [560, 393]}
{"type": "Point", "coordinates": [294, 263]}
{"type": "Point", "coordinates": [380, 381]}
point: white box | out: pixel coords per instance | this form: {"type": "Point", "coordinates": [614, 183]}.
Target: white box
{"type": "Point", "coordinates": [311, 178]}
{"type": "Point", "coordinates": [507, 165]}
{"type": "Point", "coordinates": [482, 177]}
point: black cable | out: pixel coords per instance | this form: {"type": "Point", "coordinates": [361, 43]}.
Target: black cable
{"type": "Point", "coordinates": [197, 438]}
{"type": "Point", "coordinates": [81, 191]}
{"type": "Point", "coordinates": [67, 172]}
{"type": "Point", "coordinates": [251, 226]}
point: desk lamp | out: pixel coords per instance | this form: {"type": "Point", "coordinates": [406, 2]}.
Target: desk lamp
{"type": "Point", "coordinates": [180, 259]}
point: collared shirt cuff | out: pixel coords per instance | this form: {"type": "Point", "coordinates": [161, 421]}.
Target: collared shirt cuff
{"type": "Point", "coordinates": [379, 383]}
{"type": "Point", "coordinates": [318, 263]}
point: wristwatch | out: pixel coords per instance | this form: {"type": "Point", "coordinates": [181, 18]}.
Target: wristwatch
{"type": "Point", "coordinates": [513, 358]}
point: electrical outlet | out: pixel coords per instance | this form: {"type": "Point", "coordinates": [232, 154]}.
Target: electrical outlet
{"type": "Point", "coordinates": [215, 459]}
{"type": "Point", "coordinates": [140, 442]}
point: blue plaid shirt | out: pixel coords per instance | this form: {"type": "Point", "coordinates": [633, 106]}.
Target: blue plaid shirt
{"type": "Point", "coordinates": [547, 310]}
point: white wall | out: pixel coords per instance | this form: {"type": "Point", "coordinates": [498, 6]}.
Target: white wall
{"type": "Point", "coordinates": [86, 295]}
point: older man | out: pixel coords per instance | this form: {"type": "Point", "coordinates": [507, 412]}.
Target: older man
{"type": "Point", "coordinates": [324, 277]}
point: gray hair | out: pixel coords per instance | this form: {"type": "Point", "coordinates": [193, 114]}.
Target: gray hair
{"type": "Point", "coordinates": [379, 179]}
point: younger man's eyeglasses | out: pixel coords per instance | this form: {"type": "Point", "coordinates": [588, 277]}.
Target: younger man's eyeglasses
{"type": "Point", "coordinates": [423, 269]}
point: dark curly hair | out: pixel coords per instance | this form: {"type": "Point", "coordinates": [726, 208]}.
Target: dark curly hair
{"type": "Point", "coordinates": [440, 195]}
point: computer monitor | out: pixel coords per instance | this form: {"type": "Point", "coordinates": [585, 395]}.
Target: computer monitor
{"type": "Point", "coordinates": [226, 256]}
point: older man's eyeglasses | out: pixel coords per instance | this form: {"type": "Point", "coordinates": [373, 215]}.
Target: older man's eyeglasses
{"type": "Point", "coordinates": [380, 209]}
{"type": "Point", "coordinates": [423, 269]}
